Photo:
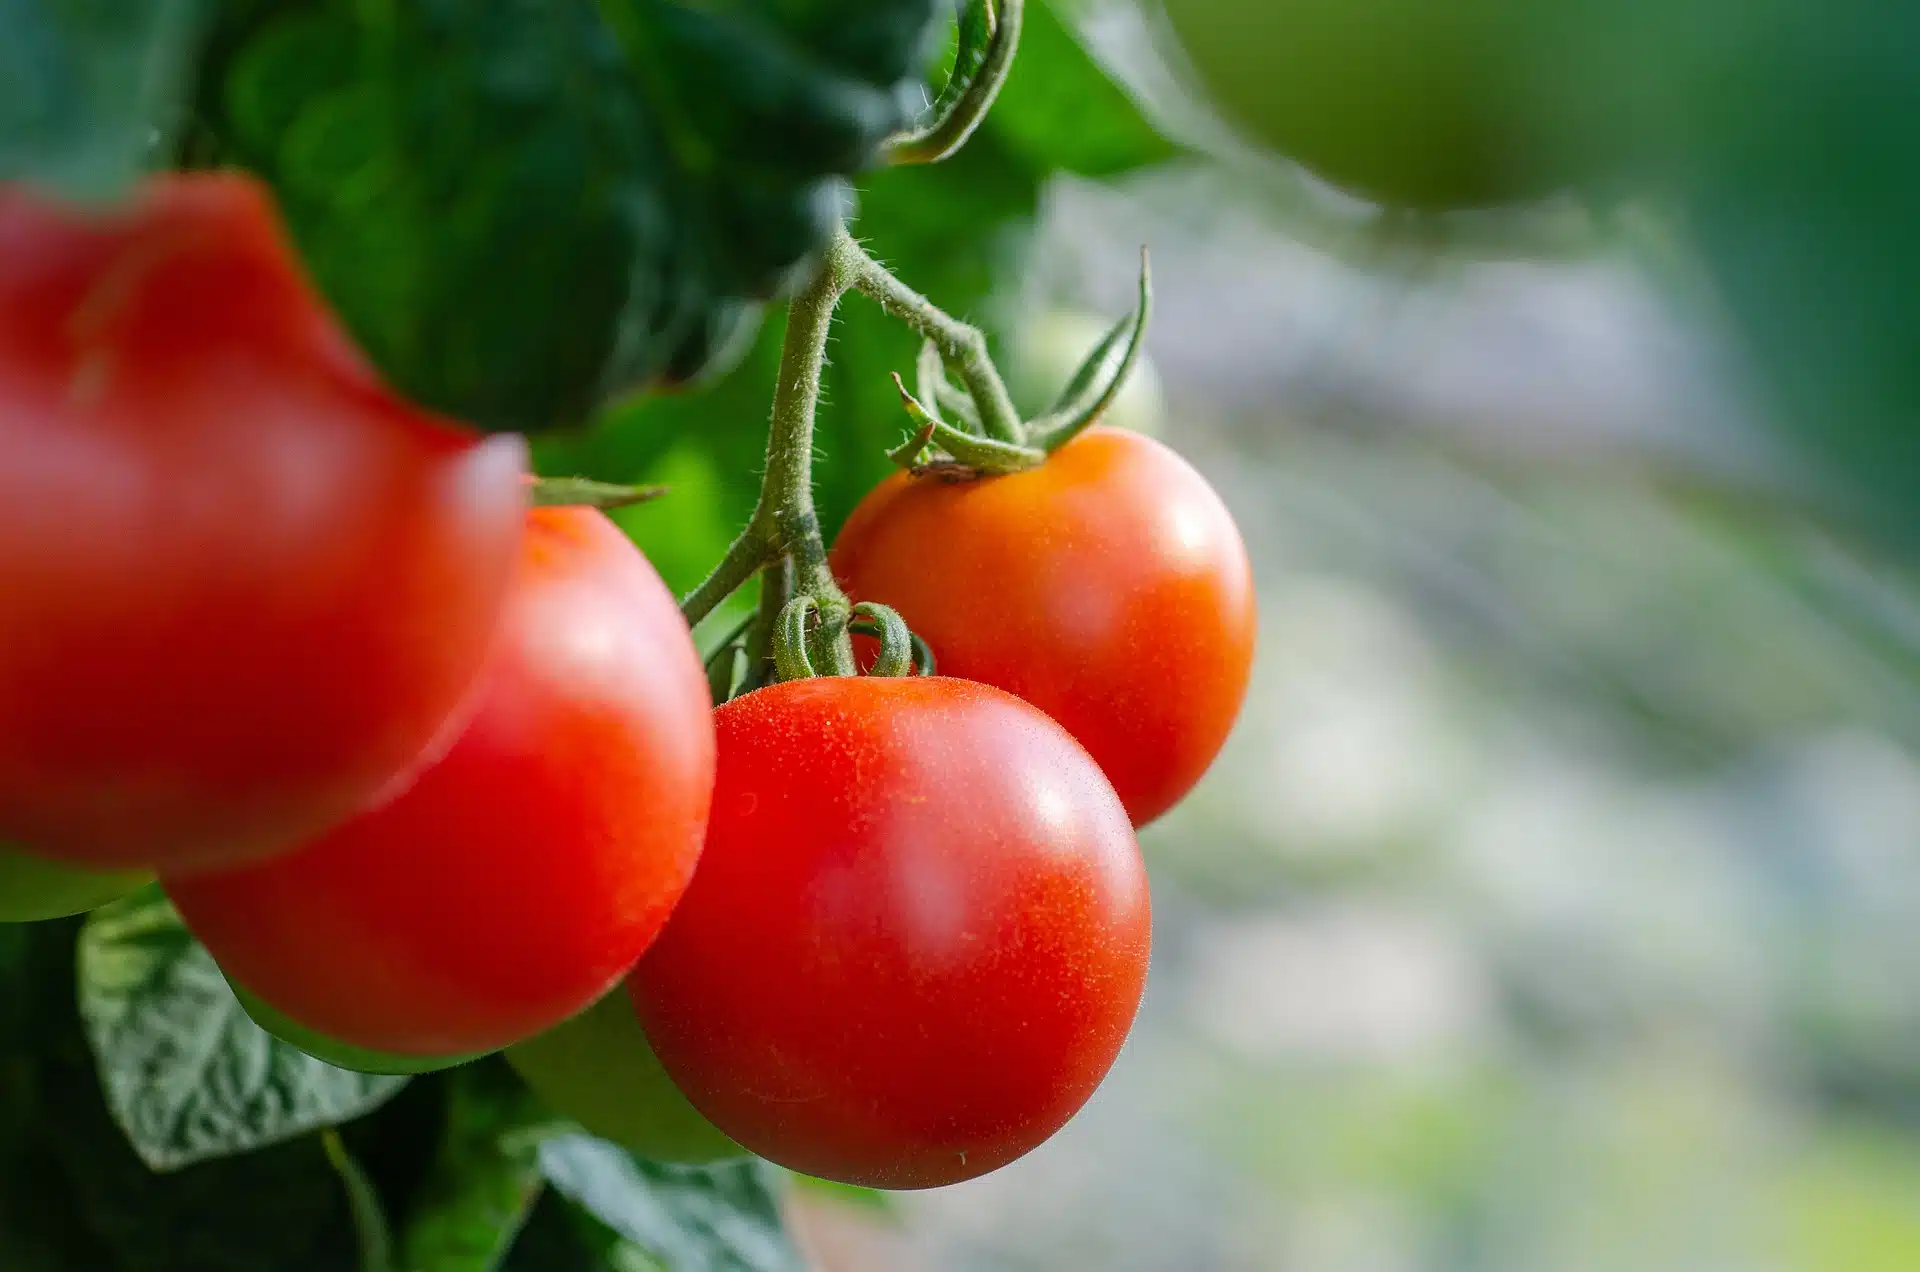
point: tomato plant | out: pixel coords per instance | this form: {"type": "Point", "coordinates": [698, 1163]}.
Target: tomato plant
{"type": "Point", "coordinates": [32, 889]}
{"type": "Point", "coordinates": [600, 1070]}
{"type": "Point", "coordinates": [1109, 587]}
{"type": "Point", "coordinates": [418, 744]}
{"type": "Point", "coordinates": [568, 814]}
{"type": "Point", "coordinates": [917, 938]}
{"type": "Point", "coordinates": [244, 587]}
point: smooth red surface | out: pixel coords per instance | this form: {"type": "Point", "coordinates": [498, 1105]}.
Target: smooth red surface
{"type": "Point", "coordinates": [917, 938]}
{"type": "Point", "coordinates": [243, 588]}
{"type": "Point", "coordinates": [523, 874]}
{"type": "Point", "coordinates": [1109, 587]}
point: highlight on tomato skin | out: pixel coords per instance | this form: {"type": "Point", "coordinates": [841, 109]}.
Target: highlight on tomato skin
{"type": "Point", "coordinates": [917, 939]}
{"type": "Point", "coordinates": [517, 881]}
{"type": "Point", "coordinates": [1109, 587]}
{"type": "Point", "coordinates": [245, 591]}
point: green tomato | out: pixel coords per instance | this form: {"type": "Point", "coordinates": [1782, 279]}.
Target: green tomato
{"type": "Point", "coordinates": [1429, 104]}
{"type": "Point", "coordinates": [32, 889]}
{"type": "Point", "coordinates": [599, 1070]}
{"type": "Point", "coordinates": [338, 1054]}
{"type": "Point", "coordinates": [1050, 346]}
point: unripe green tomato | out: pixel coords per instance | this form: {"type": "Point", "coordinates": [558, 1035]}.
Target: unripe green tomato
{"type": "Point", "coordinates": [1050, 347]}
{"type": "Point", "coordinates": [1430, 104]}
{"type": "Point", "coordinates": [32, 889]}
{"type": "Point", "coordinates": [337, 1054]}
{"type": "Point", "coordinates": [599, 1070]}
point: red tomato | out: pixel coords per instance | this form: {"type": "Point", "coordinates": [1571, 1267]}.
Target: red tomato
{"type": "Point", "coordinates": [243, 588]}
{"type": "Point", "coordinates": [917, 938]}
{"type": "Point", "coordinates": [1109, 587]}
{"type": "Point", "coordinates": [517, 881]}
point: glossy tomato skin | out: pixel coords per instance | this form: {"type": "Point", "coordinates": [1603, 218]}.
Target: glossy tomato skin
{"type": "Point", "coordinates": [244, 590]}
{"type": "Point", "coordinates": [520, 877]}
{"type": "Point", "coordinates": [1109, 587]}
{"type": "Point", "coordinates": [916, 941]}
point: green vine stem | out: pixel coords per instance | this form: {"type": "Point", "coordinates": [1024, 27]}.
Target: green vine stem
{"type": "Point", "coordinates": [776, 589]}
{"type": "Point", "coordinates": [784, 522]}
{"type": "Point", "coordinates": [989, 37]}
{"type": "Point", "coordinates": [982, 454]}
{"type": "Point", "coordinates": [896, 642]}
{"type": "Point", "coordinates": [962, 347]}
{"type": "Point", "coordinates": [790, 654]}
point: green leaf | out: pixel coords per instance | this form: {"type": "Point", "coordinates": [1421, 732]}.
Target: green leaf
{"type": "Point", "coordinates": [187, 1075]}
{"type": "Point", "coordinates": [88, 86]}
{"type": "Point", "coordinates": [363, 1201]}
{"type": "Point", "coordinates": [693, 1219]}
{"type": "Point", "coordinates": [81, 1199]}
{"type": "Point", "coordinates": [1803, 202]}
{"type": "Point", "coordinates": [1060, 110]}
{"type": "Point", "coordinates": [524, 208]}
{"type": "Point", "coordinates": [485, 1182]}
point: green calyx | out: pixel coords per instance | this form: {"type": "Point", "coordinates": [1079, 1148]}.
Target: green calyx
{"type": "Point", "coordinates": [985, 436]}
{"type": "Point", "coordinates": [797, 640]}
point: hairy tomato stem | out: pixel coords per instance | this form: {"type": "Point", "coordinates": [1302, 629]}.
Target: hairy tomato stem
{"type": "Point", "coordinates": [962, 347]}
{"type": "Point", "coordinates": [785, 524]}
{"type": "Point", "coordinates": [784, 531]}
{"type": "Point", "coordinates": [989, 37]}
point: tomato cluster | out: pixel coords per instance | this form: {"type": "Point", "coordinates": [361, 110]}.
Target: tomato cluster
{"type": "Point", "coordinates": [435, 774]}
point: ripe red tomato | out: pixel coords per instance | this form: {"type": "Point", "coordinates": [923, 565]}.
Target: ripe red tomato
{"type": "Point", "coordinates": [916, 940]}
{"type": "Point", "coordinates": [522, 875]}
{"type": "Point", "coordinates": [1109, 587]}
{"type": "Point", "coordinates": [243, 587]}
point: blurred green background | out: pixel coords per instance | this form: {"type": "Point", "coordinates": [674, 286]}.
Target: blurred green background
{"type": "Point", "coordinates": [1554, 907]}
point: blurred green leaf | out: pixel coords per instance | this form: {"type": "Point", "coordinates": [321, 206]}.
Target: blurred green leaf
{"type": "Point", "coordinates": [847, 1194]}
{"type": "Point", "coordinates": [363, 1202]}
{"type": "Point", "coordinates": [1805, 208]}
{"type": "Point", "coordinates": [485, 1182]}
{"type": "Point", "coordinates": [88, 86]}
{"type": "Point", "coordinates": [1059, 110]}
{"type": "Point", "coordinates": [187, 1075]}
{"type": "Point", "coordinates": [694, 1219]}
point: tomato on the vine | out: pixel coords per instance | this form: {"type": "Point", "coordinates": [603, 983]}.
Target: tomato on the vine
{"type": "Point", "coordinates": [600, 1070]}
{"type": "Point", "coordinates": [244, 589]}
{"type": "Point", "coordinates": [520, 877]}
{"type": "Point", "coordinates": [1109, 587]}
{"type": "Point", "coordinates": [32, 889]}
{"type": "Point", "coordinates": [916, 940]}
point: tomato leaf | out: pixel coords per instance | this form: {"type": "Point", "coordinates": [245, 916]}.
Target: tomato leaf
{"type": "Point", "coordinates": [87, 86]}
{"type": "Point", "coordinates": [1059, 109]}
{"type": "Point", "coordinates": [187, 1075]}
{"type": "Point", "coordinates": [485, 1182]}
{"type": "Point", "coordinates": [693, 1219]}
{"type": "Point", "coordinates": [522, 208]}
